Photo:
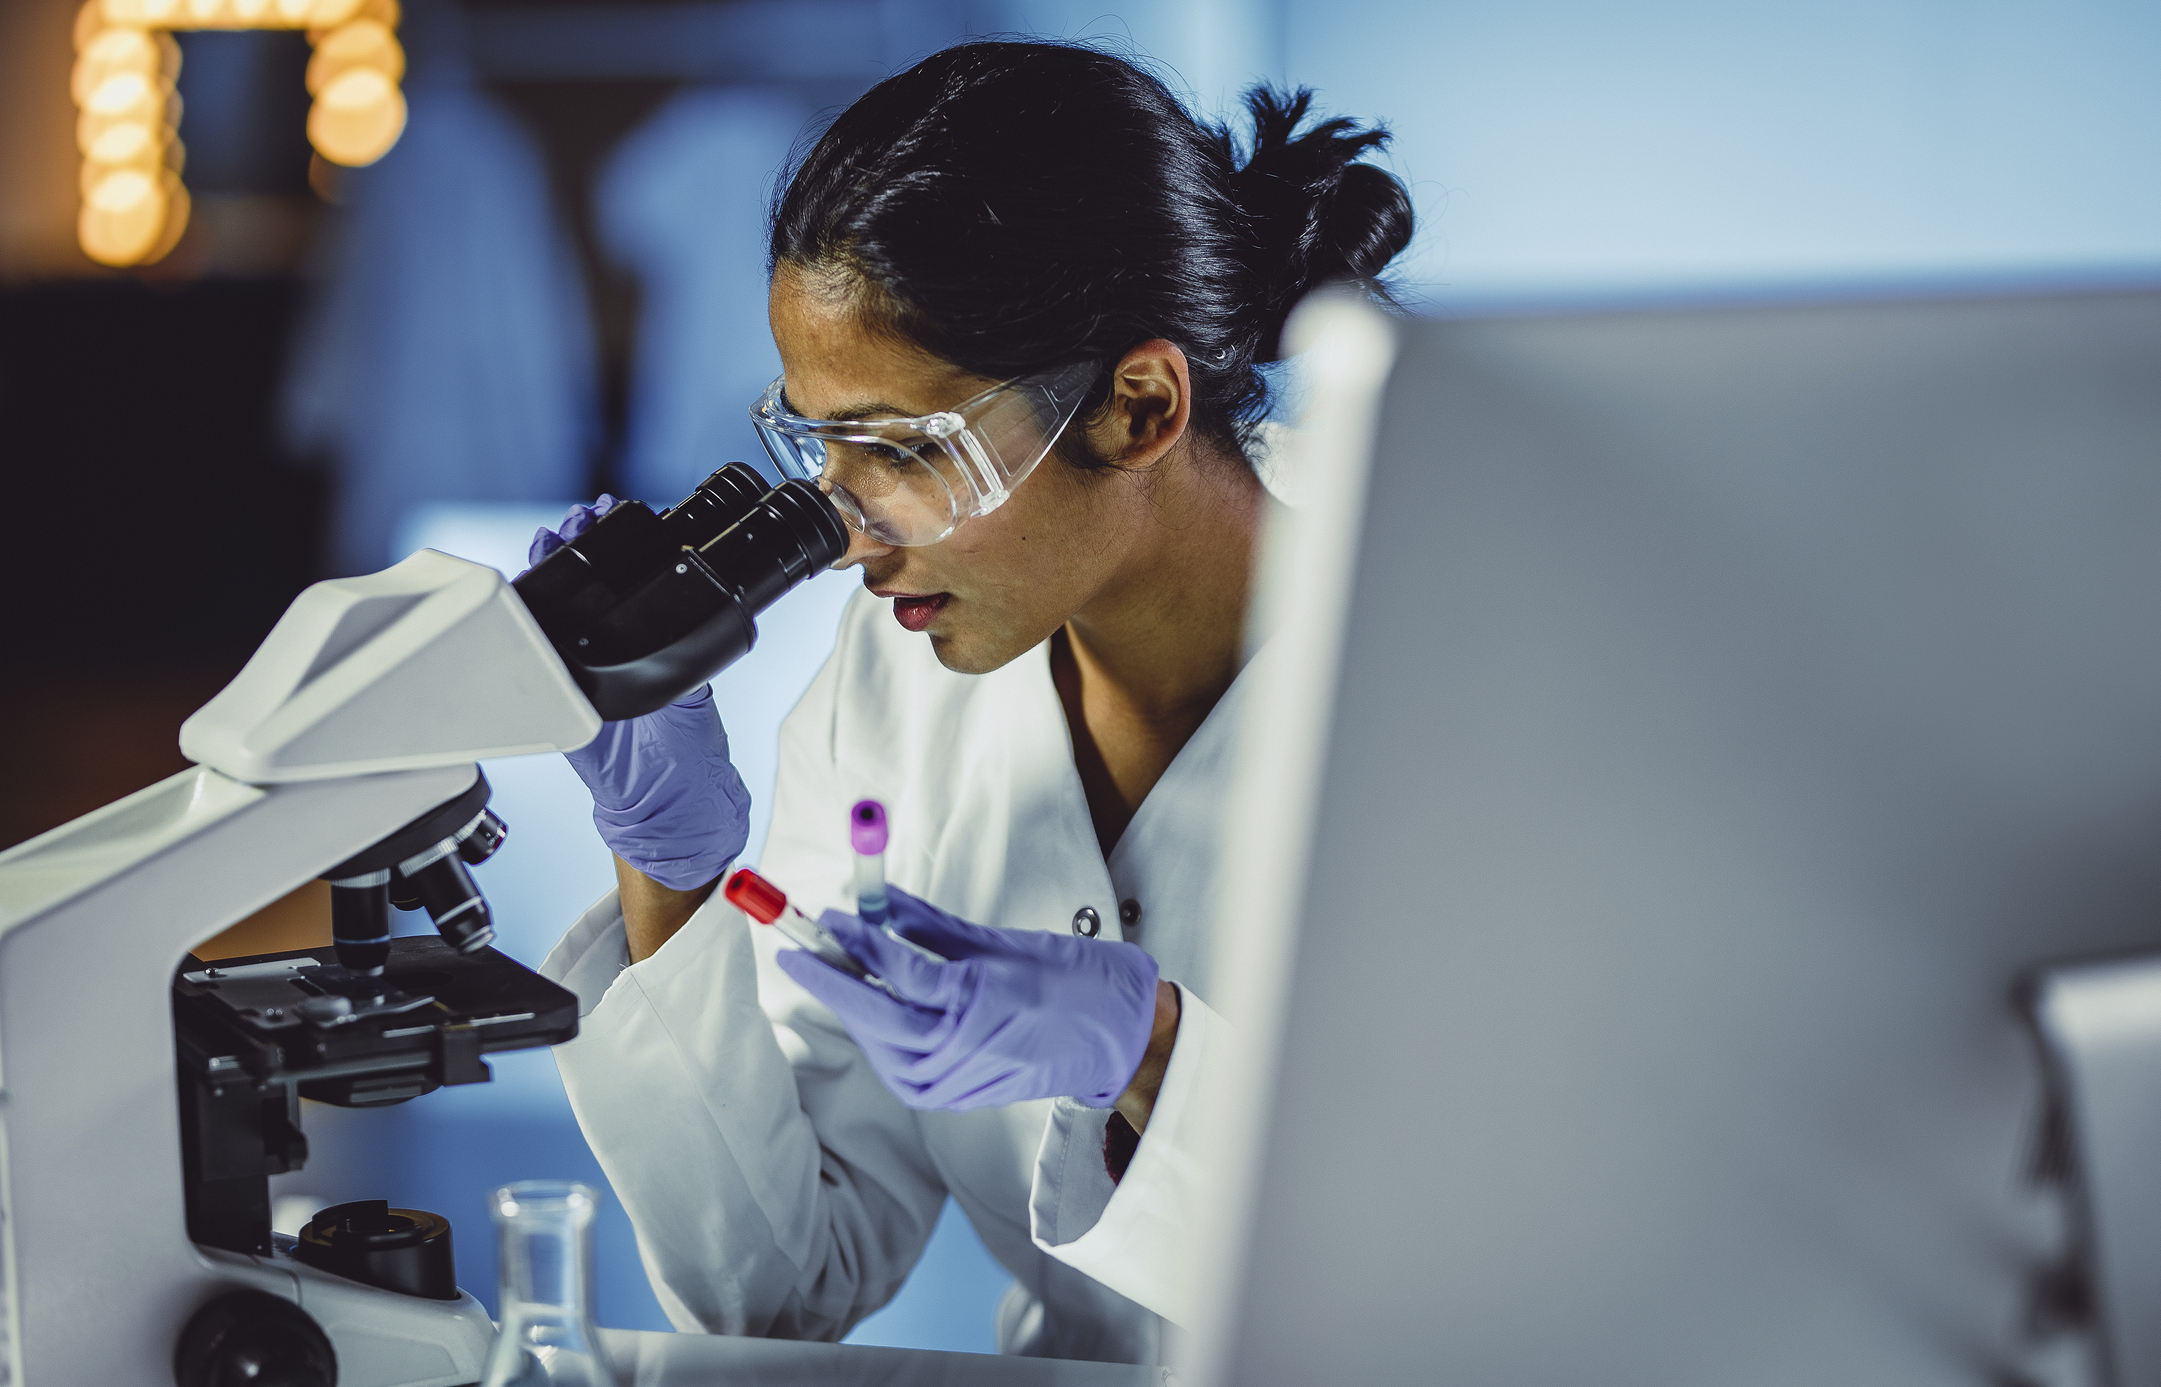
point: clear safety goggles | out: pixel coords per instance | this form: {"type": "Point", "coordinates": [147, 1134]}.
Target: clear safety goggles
{"type": "Point", "coordinates": [913, 481]}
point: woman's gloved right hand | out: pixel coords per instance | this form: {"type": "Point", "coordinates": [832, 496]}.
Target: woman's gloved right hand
{"type": "Point", "coordinates": [666, 799]}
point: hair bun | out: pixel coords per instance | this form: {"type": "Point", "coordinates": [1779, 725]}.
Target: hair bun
{"type": "Point", "coordinates": [1010, 206]}
{"type": "Point", "coordinates": [1315, 214]}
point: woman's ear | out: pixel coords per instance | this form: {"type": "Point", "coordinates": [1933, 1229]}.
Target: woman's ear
{"type": "Point", "coordinates": [1151, 402]}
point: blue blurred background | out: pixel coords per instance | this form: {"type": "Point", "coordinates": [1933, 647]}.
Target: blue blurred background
{"type": "Point", "coordinates": [554, 285]}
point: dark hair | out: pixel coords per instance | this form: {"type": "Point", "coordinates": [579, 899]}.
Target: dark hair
{"type": "Point", "coordinates": [1016, 206]}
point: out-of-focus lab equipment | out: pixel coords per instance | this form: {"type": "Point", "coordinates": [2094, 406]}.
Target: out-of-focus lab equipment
{"type": "Point", "coordinates": [1699, 722]}
{"type": "Point", "coordinates": [2098, 1023]}
{"type": "Point", "coordinates": [449, 355]}
{"type": "Point", "coordinates": [345, 749]}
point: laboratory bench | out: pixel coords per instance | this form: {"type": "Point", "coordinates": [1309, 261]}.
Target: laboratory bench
{"type": "Point", "coordinates": [642, 1358]}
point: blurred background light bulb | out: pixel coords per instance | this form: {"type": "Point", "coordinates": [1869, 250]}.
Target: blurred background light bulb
{"type": "Point", "coordinates": [163, 162]}
{"type": "Point", "coordinates": [129, 141]}
{"type": "Point", "coordinates": [357, 117]}
{"type": "Point", "coordinates": [328, 14]}
{"type": "Point", "coordinates": [123, 217]}
{"type": "Point", "coordinates": [91, 126]}
{"type": "Point", "coordinates": [134, 205]}
{"type": "Point", "coordinates": [111, 52]}
{"type": "Point", "coordinates": [123, 191]}
{"type": "Point", "coordinates": [122, 93]}
{"type": "Point", "coordinates": [362, 43]}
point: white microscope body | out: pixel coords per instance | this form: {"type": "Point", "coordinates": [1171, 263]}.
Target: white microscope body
{"type": "Point", "coordinates": [367, 706]}
{"type": "Point", "coordinates": [142, 1113]}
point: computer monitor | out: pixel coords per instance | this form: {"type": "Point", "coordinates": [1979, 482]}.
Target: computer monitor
{"type": "Point", "coordinates": [1730, 704]}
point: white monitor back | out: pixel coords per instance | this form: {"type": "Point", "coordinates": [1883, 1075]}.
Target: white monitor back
{"type": "Point", "coordinates": [1731, 703]}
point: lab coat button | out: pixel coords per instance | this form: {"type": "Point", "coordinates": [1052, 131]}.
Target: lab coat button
{"type": "Point", "coordinates": [1086, 923]}
{"type": "Point", "coordinates": [1129, 914]}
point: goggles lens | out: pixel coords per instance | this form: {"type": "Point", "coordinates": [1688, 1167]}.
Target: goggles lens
{"type": "Point", "coordinates": [913, 481]}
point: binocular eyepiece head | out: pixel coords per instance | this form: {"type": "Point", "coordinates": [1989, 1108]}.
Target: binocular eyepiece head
{"type": "Point", "coordinates": [643, 608]}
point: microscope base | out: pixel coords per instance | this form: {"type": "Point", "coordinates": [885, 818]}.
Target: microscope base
{"type": "Point", "coordinates": [382, 1338]}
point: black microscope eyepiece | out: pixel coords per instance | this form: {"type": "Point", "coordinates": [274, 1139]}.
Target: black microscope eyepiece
{"type": "Point", "coordinates": [643, 608]}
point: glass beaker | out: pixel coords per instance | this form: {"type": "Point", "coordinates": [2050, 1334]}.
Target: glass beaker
{"type": "Point", "coordinates": [547, 1338]}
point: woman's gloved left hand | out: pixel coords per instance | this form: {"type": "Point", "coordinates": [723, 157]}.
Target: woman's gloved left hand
{"type": "Point", "coordinates": [1014, 1015]}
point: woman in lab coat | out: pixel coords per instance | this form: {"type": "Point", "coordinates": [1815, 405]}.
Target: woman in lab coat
{"type": "Point", "coordinates": [1019, 295]}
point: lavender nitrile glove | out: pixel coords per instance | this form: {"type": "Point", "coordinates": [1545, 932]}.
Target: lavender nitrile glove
{"type": "Point", "coordinates": [577, 522]}
{"type": "Point", "coordinates": [665, 796]}
{"type": "Point", "coordinates": [666, 799]}
{"type": "Point", "coordinates": [1015, 1015]}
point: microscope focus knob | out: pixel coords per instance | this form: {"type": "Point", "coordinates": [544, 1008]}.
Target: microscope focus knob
{"type": "Point", "coordinates": [253, 1339]}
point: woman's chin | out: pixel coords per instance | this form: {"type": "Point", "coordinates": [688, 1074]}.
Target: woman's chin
{"type": "Point", "coordinates": [972, 651]}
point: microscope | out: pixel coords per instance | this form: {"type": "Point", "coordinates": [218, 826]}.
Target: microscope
{"type": "Point", "coordinates": [144, 1106]}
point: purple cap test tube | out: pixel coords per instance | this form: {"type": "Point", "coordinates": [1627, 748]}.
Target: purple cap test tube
{"type": "Point", "coordinates": [866, 834]}
{"type": "Point", "coordinates": [866, 828]}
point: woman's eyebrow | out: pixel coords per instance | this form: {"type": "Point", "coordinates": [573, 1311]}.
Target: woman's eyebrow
{"type": "Point", "coordinates": [852, 414]}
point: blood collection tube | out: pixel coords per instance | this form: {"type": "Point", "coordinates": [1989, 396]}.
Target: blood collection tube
{"type": "Point", "coordinates": [866, 834]}
{"type": "Point", "coordinates": [766, 903]}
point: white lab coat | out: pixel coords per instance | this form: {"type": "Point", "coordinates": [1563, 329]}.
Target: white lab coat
{"type": "Point", "coordinates": [776, 1186]}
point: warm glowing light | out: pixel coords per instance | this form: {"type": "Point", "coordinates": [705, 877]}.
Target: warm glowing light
{"type": "Point", "coordinates": [123, 217]}
{"type": "Point", "coordinates": [123, 191]}
{"type": "Point", "coordinates": [234, 14]}
{"type": "Point", "coordinates": [113, 52]}
{"type": "Point", "coordinates": [134, 205]}
{"type": "Point", "coordinates": [362, 43]}
{"type": "Point", "coordinates": [358, 90]}
{"type": "Point", "coordinates": [89, 23]}
{"type": "Point", "coordinates": [118, 49]}
{"type": "Point", "coordinates": [91, 127]}
{"type": "Point", "coordinates": [177, 206]}
{"type": "Point", "coordinates": [122, 93]}
{"type": "Point", "coordinates": [129, 141]}
{"type": "Point", "coordinates": [357, 118]}
{"type": "Point", "coordinates": [154, 163]}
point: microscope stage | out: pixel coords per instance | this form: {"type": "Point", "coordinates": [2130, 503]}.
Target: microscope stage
{"type": "Point", "coordinates": [297, 1018]}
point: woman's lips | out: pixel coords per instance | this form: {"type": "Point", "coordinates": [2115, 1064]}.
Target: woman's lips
{"type": "Point", "coordinates": [915, 613]}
